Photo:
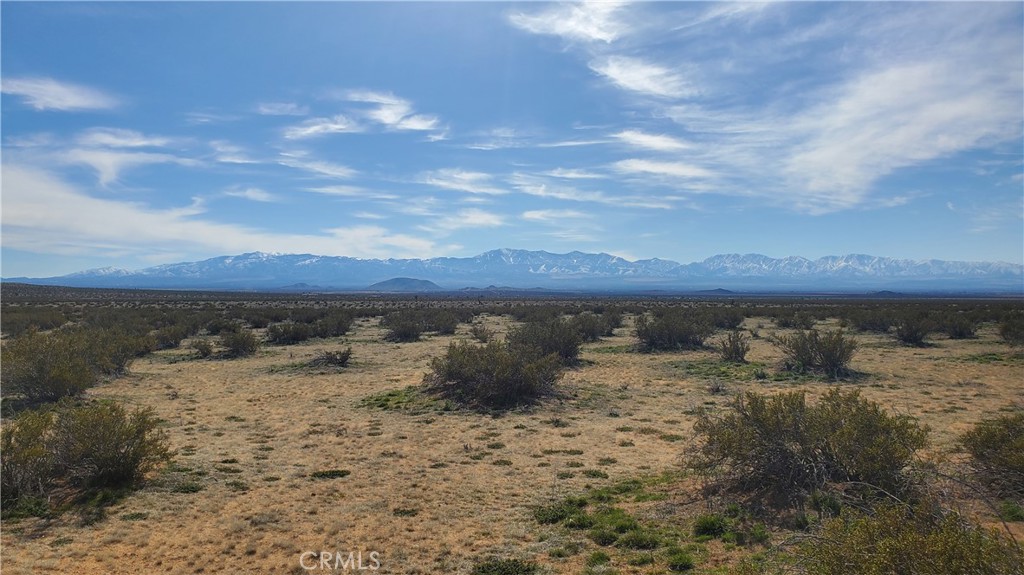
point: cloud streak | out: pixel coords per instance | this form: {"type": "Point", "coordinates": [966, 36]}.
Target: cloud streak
{"type": "Point", "coordinates": [49, 94]}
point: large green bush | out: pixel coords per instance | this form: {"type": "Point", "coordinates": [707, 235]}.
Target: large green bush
{"type": "Point", "coordinates": [784, 449]}
{"type": "Point", "coordinates": [1011, 329]}
{"type": "Point", "coordinates": [899, 539]}
{"type": "Point", "coordinates": [289, 333]}
{"type": "Point", "coordinates": [674, 329]}
{"type": "Point", "coordinates": [537, 339]}
{"type": "Point", "coordinates": [996, 447]}
{"type": "Point", "coordinates": [43, 367]}
{"type": "Point", "coordinates": [27, 464]}
{"type": "Point", "coordinates": [403, 326]}
{"type": "Point", "coordinates": [492, 376]}
{"type": "Point", "coordinates": [240, 343]}
{"type": "Point", "coordinates": [827, 352]}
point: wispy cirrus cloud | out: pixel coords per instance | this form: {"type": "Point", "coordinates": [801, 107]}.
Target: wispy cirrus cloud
{"type": "Point", "coordinates": [573, 174]}
{"type": "Point", "coordinates": [120, 138]}
{"type": "Point", "coordinates": [44, 214]}
{"type": "Point", "coordinates": [637, 75]}
{"type": "Point", "coordinates": [659, 168]}
{"type": "Point", "coordinates": [353, 192]}
{"type": "Point", "coordinates": [313, 127]}
{"type": "Point", "coordinates": [252, 194]}
{"type": "Point", "coordinates": [585, 21]}
{"type": "Point", "coordinates": [109, 164]}
{"type": "Point", "coordinates": [542, 187]}
{"type": "Point", "coordinates": [463, 219]}
{"type": "Point", "coordinates": [49, 94]}
{"type": "Point", "coordinates": [657, 142]}
{"type": "Point", "coordinates": [320, 168]}
{"type": "Point", "coordinates": [462, 181]}
{"type": "Point", "coordinates": [393, 112]}
{"type": "Point", "coordinates": [228, 153]}
{"type": "Point", "coordinates": [552, 216]}
{"type": "Point", "coordinates": [281, 109]}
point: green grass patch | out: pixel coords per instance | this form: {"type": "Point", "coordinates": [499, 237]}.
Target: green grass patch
{"type": "Point", "coordinates": [411, 400]}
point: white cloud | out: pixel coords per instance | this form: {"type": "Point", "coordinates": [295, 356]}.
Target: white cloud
{"type": "Point", "coordinates": [119, 138]}
{"type": "Point", "coordinates": [282, 109]}
{"type": "Point", "coordinates": [300, 161]}
{"type": "Point", "coordinates": [49, 94]}
{"type": "Point", "coordinates": [463, 219]}
{"type": "Point", "coordinates": [572, 174]}
{"type": "Point", "coordinates": [340, 124]}
{"type": "Point", "coordinates": [228, 153]}
{"type": "Point", "coordinates": [672, 169]}
{"type": "Point", "coordinates": [543, 188]}
{"type": "Point", "coordinates": [461, 181]}
{"type": "Point", "coordinates": [351, 192]}
{"type": "Point", "coordinates": [636, 75]}
{"type": "Point", "coordinates": [555, 216]}
{"type": "Point", "coordinates": [657, 142]}
{"type": "Point", "coordinates": [368, 216]}
{"type": "Point", "coordinates": [394, 112]}
{"type": "Point", "coordinates": [253, 194]}
{"type": "Point", "coordinates": [587, 21]}
{"type": "Point", "coordinates": [43, 214]}
{"type": "Point", "coordinates": [110, 163]}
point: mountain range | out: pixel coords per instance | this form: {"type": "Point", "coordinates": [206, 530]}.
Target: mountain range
{"type": "Point", "coordinates": [576, 271]}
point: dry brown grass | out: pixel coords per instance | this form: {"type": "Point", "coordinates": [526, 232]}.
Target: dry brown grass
{"type": "Point", "coordinates": [282, 423]}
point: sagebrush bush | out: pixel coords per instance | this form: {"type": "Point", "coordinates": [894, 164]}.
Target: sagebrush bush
{"type": "Point", "coordinates": [104, 445]}
{"type": "Point", "coordinates": [996, 447]}
{"type": "Point", "coordinates": [922, 540]}
{"type": "Point", "coordinates": [734, 347]}
{"type": "Point", "coordinates": [589, 326]}
{"type": "Point", "coordinates": [675, 329]}
{"type": "Point", "coordinates": [203, 347]}
{"type": "Point", "coordinates": [538, 339]}
{"type": "Point", "coordinates": [44, 367]}
{"type": "Point", "coordinates": [491, 376]}
{"type": "Point", "coordinates": [92, 446]}
{"type": "Point", "coordinates": [827, 352]}
{"type": "Point", "coordinates": [784, 449]}
{"type": "Point", "coordinates": [335, 324]}
{"type": "Point", "coordinates": [403, 326]}
{"type": "Point", "coordinates": [481, 333]}
{"type": "Point", "coordinates": [1011, 329]}
{"type": "Point", "coordinates": [913, 328]}
{"type": "Point", "coordinates": [959, 327]}
{"type": "Point", "coordinates": [240, 343]}
{"type": "Point", "coordinates": [289, 333]}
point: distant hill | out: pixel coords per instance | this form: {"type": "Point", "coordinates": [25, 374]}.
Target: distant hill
{"type": "Point", "coordinates": [405, 285]}
{"type": "Point", "coordinates": [573, 271]}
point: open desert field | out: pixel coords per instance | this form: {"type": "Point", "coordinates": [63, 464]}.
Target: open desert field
{"type": "Point", "coordinates": [276, 460]}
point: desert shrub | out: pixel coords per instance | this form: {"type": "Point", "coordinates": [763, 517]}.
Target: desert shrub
{"type": "Point", "coordinates": [734, 347]}
{"type": "Point", "coordinates": [15, 321]}
{"type": "Point", "coordinates": [996, 447]}
{"type": "Point", "coordinates": [104, 445]}
{"type": "Point", "coordinates": [612, 318]}
{"type": "Point", "coordinates": [203, 347]}
{"type": "Point", "coordinates": [289, 333]}
{"type": "Point", "coordinates": [784, 449]}
{"type": "Point", "coordinates": [675, 329]}
{"type": "Point", "coordinates": [1011, 329]}
{"type": "Point", "coordinates": [505, 567]}
{"type": "Point", "coordinates": [874, 320]}
{"type": "Point", "coordinates": [332, 358]}
{"type": "Point", "coordinates": [26, 468]}
{"type": "Point", "coordinates": [334, 324]}
{"type": "Point", "coordinates": [240, 343]}
{"type": "Point", "coordinates": [726, 317]}
{"type": "Point", "coordinates": [959, 327]}
{"type": "Point", "coordinates": [170, 337]}
{"type": "Point", "coordinates": [43, 367]}
{"type": "Point", "coordinates": [111, 351]}
{"type": "Point", "coordinates": [589, 326]}
{"type": "Point", "coordinates": [794, 319]}
{"type": "Point", "coordinates": [543, 338]}
{"type": "Point", "coordinates": [403, 326]}
{"type": "Point", "coordinates": [481, 333]}
{"type": "Point", "coordinates": [829, 352]}
{"type": "Point", "coordinates": [898, 539]}
{"type": "Point", "coordinates": [492, 375]}
{"type": "Point", "coordinates": [442, 321]}
{"type": "Point", "coordinates": [913, 328]}
{"type": "Point", "coordinates": [221, 325]}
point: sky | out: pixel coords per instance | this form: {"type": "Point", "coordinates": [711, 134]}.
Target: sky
{"type": "Point", "coordinates": [138, 134]}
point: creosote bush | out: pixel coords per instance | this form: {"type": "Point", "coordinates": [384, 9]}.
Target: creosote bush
{"type": "Point", "coordinates": [537, 339]}
{"type": "Point", "coordinates": [492, 376]}
{"type": "Point", "coordinates": [734, 347]}
{"type": "Point", "coordinates": [45, 367]}
{"type": "Point", "coordinates": [898, 539]}
{"type": "Point", "coordinates": [674, 329]}
{"type": "Point", "coordinates": [1011, 329]}
{"type": "Point", "coordinates": [996, 447]}
{"type": "Point", "coordinates": [289, 333]}
{"type": "Point", "coordinates": [403, 326]}
{"type": "Point", "coordinates": [239, 343]}
{"type": "Point", "coordinates": [783, 449]}
{"type": "Point", "coordinates": [829, 352]}
{"type": "Point", "coordinates": [913, 328]}
{"type": "Point", "coordinates": [93, 446]}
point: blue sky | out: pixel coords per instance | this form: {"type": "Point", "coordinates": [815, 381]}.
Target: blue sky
{"type": "Point", "coordinates": [136, 134]}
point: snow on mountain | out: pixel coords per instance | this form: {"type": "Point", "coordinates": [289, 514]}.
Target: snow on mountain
{"type": "Point", "coordinates": [573, 270]}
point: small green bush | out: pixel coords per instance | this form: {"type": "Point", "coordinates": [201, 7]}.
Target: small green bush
{"type": "Point", "coordinates": [675, 329]}
{"type": "Point", "coordinates": [505, 567]}
{"type": "Point", "coordinates": [1011, 329]}
{"type": "Point", "coordinates": [783, 449]}
{"type": "Point", "coordinates": [711, 525]}
{"type": "Point", "coordinates": [734, 347]}
{"type": "Point", "coordinates": [829, 352]}
{"type": "Point", "coordinates": [680, 560]}
{"type": "Point", "coordinates": [996, 447]}
{"type": "Point", "coordinates": [334, 324]}
{"type": "Point", "coordinates": [539, 339]}
{"type": "Point", "coordinates": [492, 376]}
{"type": "Point", "coordinates": [403, 326]}
{"type": "Point", "coordinates": [896, 539]}
{"type": "Point", "coordinates": [289, 333]}
{"type": "Point", "coordinates": [959, 327]}
{"type": "Point", "coordinates": [591, 327]}
{"type": "Point", "coordinates": [27, 465]}
{"type": "Point", "coordinates": [239, 343]}
{"type": "Point", "coordinates": [44, 367]}
{"type": "Point", "coordinates": [203, 347]}
{"type": "Point", "coordinates": [913, 328]}
{"type": "Point", "coordinates": [481, 333]}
